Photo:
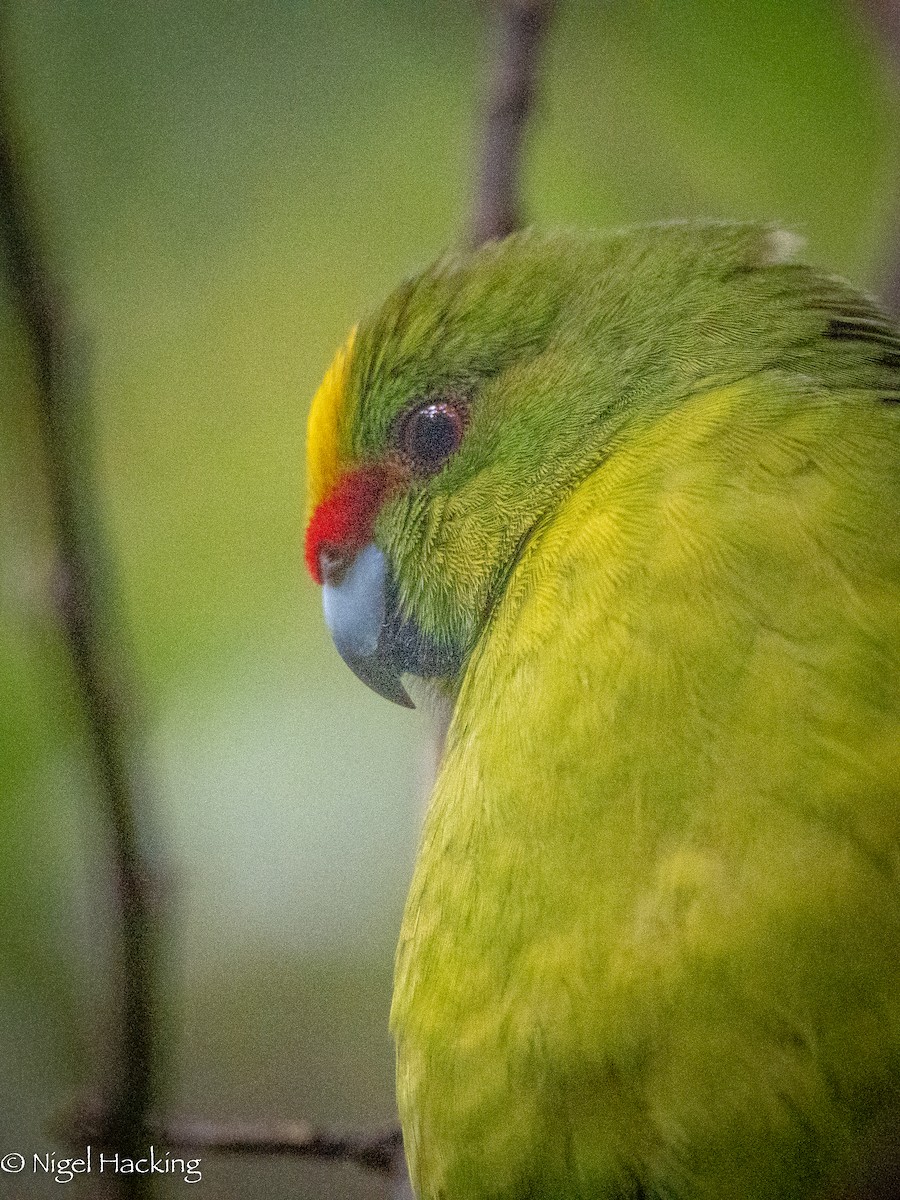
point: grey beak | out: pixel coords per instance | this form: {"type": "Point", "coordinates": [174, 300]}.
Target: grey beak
{"type": "Point", "coordinates": [354, 599]}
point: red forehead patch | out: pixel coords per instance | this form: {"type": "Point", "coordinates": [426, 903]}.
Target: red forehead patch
{"type": "Point", "coordinates": [346, 517]}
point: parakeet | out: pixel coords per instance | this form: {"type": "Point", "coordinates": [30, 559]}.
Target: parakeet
{"type": "Point", "coordinates": [629, 502]}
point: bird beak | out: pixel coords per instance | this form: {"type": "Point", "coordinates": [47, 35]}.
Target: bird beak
{"type": "Point", "coordinates": [354, 597]}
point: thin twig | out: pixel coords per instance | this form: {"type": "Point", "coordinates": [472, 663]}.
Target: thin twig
{"type": "Point", "coordinates": [80, 602]}
{"type": "Point", "coordinates": [883, 19]}
{"type": "Point", "coordinates": [520, 27]}
{"type": "Point", "coordinates": [884, 16]}
{"type": "Point", "coordinates": [373, 1150]}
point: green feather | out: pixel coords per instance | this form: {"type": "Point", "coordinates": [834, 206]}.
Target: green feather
{"type": "Point", "coordinates": [651, 945]}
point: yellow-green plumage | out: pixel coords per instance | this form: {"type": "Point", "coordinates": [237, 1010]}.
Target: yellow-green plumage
{"type": "Point", "coordinates": [654, 927]}
{"type": "Point", "coordinates": [652, 945]}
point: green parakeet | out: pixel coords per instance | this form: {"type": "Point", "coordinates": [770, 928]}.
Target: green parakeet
{"type": "Point", "coordinates": [630, 502]}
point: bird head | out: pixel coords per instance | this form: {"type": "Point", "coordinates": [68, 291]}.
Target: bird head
{"type": "Point", "coordinates": [459, 415]}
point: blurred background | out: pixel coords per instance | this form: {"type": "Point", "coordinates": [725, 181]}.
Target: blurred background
{"type": "Point", "coordinates": [225, 186]}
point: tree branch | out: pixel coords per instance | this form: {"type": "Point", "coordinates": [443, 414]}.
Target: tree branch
{"type": "Point", "coordinates": [520, 27]}
{"type": "Point", "coordinates": [79, 599]}
{"type": "Point", "coordinates": [883, 20]}
{"type": "Point", "coordinates": [373, 1150]}
{"type": "Point", "coordinates": [884, 17]}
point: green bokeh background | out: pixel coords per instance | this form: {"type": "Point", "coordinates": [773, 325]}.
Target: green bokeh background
{"type": "Point", "coordinates": [226, 185]}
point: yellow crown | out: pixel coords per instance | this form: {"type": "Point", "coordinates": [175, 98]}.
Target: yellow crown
{"type": "Point", "coordinates": [323, 428]}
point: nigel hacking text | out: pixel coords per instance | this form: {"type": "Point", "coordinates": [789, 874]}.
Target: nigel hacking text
{"type": "Point", "coordinates": [93, 1161]}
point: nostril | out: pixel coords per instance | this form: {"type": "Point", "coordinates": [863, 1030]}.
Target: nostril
{"type": "Point", "coordinates": [333, 565]}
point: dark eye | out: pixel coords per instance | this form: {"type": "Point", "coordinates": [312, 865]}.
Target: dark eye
{"type": "Point", "coordinates": [430, 434]}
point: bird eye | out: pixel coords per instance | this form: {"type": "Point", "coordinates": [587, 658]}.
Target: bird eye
{"type": "Point", "coordinates": [430, 434]}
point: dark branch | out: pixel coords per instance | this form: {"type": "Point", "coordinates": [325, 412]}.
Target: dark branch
{"type": "Point", "coordinates": [520, 27]}
{"type": "Point", "coordinates": [372, 1150]}
{"type": "Point", "coordinates": [883, 18]}
{"type": "Point", "coordinates": [78, 598]}
{"type": "Point", "coordinates": [377, 1150]}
